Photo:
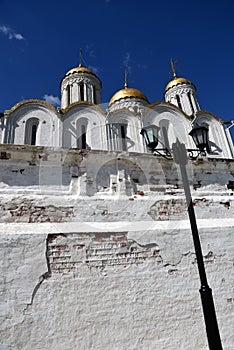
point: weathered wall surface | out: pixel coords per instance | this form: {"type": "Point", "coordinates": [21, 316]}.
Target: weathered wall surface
{"type": "Point", "coordinates": [97, 251]}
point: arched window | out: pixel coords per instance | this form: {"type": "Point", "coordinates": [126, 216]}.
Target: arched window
{"type": "Point", "coordinates": [190, 102]}
{"type": "Point", "coordinates": [81, 91]}
{"type": "Point", "coordinates": [117, 136]}
{"type": "Point", "coordinates": [178, 101]}
{"type": "Point", "coordinates": [82, 133]}
{"type": "Point", "coordinates": [94, 95]}
{"type": "Point", "coordinates": [68, 94]}
{"type": "Point", "coordinates": [31, 131]}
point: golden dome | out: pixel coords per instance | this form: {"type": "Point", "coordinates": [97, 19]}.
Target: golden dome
{"type": "Point", "coordinates": [79, 69]}
{"type": "Point", "coordinates": [127, 92]}
{"type": "Point", "coordinates": [177, 81]}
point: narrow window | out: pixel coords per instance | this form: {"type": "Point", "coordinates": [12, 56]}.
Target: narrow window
{"type": "Point", "coordinates": [33, 134]}
{"type": "Point", "coordinates": [81, 92]}
{"type": "Point", "coordinates": [31, 127]}
{"type": "Point", "coordinates": [83, 136]}
{"type": "Point", "coordinates": [190, 102]}
{"type": "Point", "coordinates": [116, 136]}
{"type": "Point", "coordinates": [178, 101]}
{"type": "Point", "coordinates": [68, 95]}
{"type": "Point", "coordinates": [82, 133]}
{"type": "Point", "coordinates": [123, 136]}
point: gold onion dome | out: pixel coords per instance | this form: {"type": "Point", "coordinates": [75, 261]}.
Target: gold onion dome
{"type": "Point", "coordinates": [177, 81]}
{"type": "Point", "coordinates": [127, 92]}
{"type": "Point", "coordinates": [80, 69]}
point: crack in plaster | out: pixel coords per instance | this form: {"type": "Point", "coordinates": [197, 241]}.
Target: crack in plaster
{"type": "Point", "coordinates": [42, 278]}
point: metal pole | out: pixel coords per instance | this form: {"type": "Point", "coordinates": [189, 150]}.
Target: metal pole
{"type": "Point", "coordinates": [212, 330]}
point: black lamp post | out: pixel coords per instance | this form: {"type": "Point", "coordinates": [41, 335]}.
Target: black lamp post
{"type": "Point", "coordinates": [200, 134]}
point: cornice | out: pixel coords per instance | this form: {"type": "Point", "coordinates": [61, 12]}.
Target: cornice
{"type": "Point", "coordinates": [31, 101]}
{"type": "Point", "coordinates": [166, 104]}
{"type": "Point", "coordinates": [80, 103]}
{"type": "Point", "coordinates": [209, 113]}
{"type": "Point", "coordinates": [122, 110]}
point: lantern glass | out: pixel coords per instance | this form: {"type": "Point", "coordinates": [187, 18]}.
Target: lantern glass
{"type": "Point", "coordinates": [200, 137]}
{"type": "Point", "coordinates": [150, 134]}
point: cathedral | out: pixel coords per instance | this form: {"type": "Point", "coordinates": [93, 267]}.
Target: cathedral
{"type": "Point", "coordinates": [82, 123]}
{"type": "Point", "coordinates": [96, 243]}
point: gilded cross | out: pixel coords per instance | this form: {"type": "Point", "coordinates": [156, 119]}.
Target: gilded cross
{"type": "Point", "coordinates": [80, 65]}
{"type": "Point", "coordinates": [173, 64]}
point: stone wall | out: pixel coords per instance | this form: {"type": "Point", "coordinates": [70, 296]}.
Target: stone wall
{"type": "Point", "coordinates": [97, 250]}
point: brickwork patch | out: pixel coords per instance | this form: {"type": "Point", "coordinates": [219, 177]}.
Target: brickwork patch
{"type": "Point", "coordinates": [67, 252]}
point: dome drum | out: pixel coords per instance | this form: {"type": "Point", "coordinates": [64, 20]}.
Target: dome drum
{"type": "Point", "coordinates": [80, 84]}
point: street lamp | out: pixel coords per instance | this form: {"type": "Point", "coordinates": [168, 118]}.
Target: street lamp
{"type": "Point", "coordinates": [180, 157]}
{"type": "Point", "coordinates": [199, 134]}
{"type": "Point", "coordinates": [150, 135]}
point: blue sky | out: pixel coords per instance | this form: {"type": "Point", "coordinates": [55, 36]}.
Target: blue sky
{"type": "Point", "coordinates": [40, 42]}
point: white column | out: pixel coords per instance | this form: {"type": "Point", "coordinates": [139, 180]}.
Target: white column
{"type": "Point", "coordinates": [187, 107]}
{"type": "Point", "coordinates": [195, 103]}
{"type": "Point", "coordinates": [85, 92]}
{"type": "Point", "coordinates": [64, 98]}
{"type": "Point", "coordinates": [74, 92]}
{"type": "Point", "coordinates": [68, 95]}
{"type": "Point", "coordinates": [78, 92]}
{"type": "Point", "coordinates": [92, 94]}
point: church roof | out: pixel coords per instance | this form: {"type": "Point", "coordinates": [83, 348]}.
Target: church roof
{"type": "Point", "coordinates": [127, 92]}
{"type": "Point", "coordinates": [81, 69]}
{"type": "Point", "coordinates": [177, 81]}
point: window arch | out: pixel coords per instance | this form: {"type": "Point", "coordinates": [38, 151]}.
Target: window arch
{"type": "Point", "coordinates": [117, 136]}
{"type": "Point", "coordinates": [81, 127]}
{"type": "Point", "coordinates": [31, 131]}
{"type": "Point", "coordinates": [68, 94]}
{"type": "Point", "coordinates": [81, 86]}
{"type": "Point", "coordinates": [178, 101]}
{"type": "Point", "coordinates": [190, 101]}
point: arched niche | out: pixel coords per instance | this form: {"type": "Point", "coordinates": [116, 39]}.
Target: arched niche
{"type": "Point", "coordinates": [123, 131]}
{"type": "Point", "coordinates": [81, 130]}
{"type": "Point", "coordinates": [86, 120]}
{"type": "Point", "coordinates": [30, 133]}
{"type": "Point", "coordinates": [120, 176]}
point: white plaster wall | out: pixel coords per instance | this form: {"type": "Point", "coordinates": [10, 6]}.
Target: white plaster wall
{"type": "Point", "coordinates": [134, 139]}
{"type": "Point", "coordinates": [144, 305]}
{"type": "Point", "coordinates": [91, 268]}
{"type": "Point", "coordinates": [96, 130]}
{"type": "Point", "coordinates": [175, 123]}
{"type": "Point", "coordinates": [217, 136]}
{"type": "Point", "coordinates": [48, 124]}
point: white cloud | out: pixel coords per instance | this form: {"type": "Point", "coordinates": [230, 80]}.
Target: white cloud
{"type": "Point", "coordinates": [94, 69]}
{"type": "Point", "coordinates": [126, 62]}
{"type": "Point", "coordinates": [126, 59]}
{"type": "Point", "coordinates": [18, 36]}
{"type": "Point", "coordinates": [10, 33]}
{"type": "Point", "coordinates": [89, 51]}
{"type": "Point", "coordinates": [54, 100]}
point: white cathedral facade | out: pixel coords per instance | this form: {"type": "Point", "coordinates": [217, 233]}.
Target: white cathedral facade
{"type": "Point", "coordinates": [82, 123]}
{"type": "Point", "coordinates": [96, 246]}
